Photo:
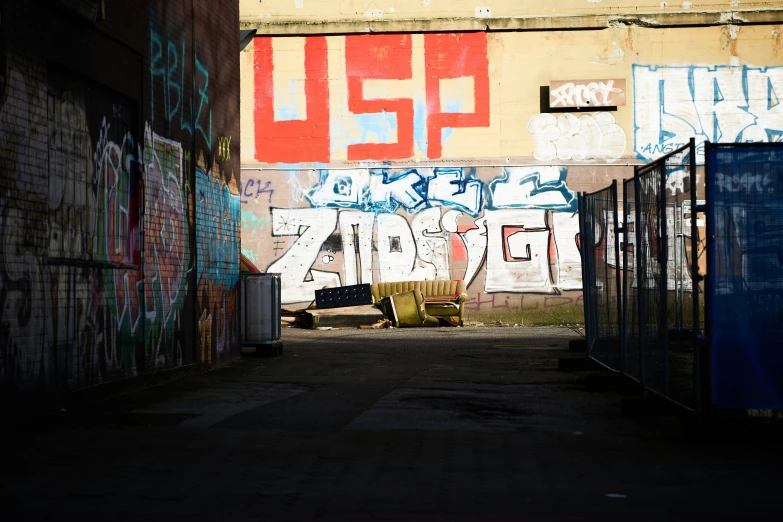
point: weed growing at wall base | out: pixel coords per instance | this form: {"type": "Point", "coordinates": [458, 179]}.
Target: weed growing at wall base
{"type": "Point", "coordinates": [534, 316]}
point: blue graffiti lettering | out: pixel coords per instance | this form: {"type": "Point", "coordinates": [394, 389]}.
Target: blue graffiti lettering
{"type": "Point", "coordinates": [718, 104]}
{"type": "Point", "coordinates": [185, 120]}
{"type": "Point", "coordinates": [533, 187]}
{"type": "Point", "coordinates": [388, 190]}
{"type": "Point", "coordinates": [248, 184]}
{"type": "Point", "coordinates": [381, 190]}
{"type": "Point", "coordinates": [263, 188]}
{"type": "Point", "coordinates": [340, 188]}
{"type": "Point", "coordinates": [157, 69]}
{"type": "Point", "coordinates": [452, 188]}
{"type": "Point", "coordinates": [217, 221]}
{"type": "Point", "coordinates": [171, 84]}
{"type": "Point", "coordinates": [170, 75]}
{"type": "Point", "coordinates": [203, 100]}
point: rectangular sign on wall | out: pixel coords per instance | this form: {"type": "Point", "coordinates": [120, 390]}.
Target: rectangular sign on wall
{"type": "Point", "coordinates": [586, 93]}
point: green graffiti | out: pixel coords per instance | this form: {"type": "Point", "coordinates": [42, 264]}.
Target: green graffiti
{"type": "Point", "coordinates": [167, 249]}
{"type": "Point", "coordinates": [250, 255]}
{"type": "Point", "coordinates": [253, 222]}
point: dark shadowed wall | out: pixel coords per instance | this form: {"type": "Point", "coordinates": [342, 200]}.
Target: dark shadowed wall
{"type": "Point", "coordinates": [119, 206]}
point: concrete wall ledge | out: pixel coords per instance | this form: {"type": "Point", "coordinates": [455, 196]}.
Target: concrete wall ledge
{"type": "Point", "coordinates": [532, 23]}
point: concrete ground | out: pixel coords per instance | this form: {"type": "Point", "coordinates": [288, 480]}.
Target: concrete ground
{"type": "Point", "coordinates": [442, 424]}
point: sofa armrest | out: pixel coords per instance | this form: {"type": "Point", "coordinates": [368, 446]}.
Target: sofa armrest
{"type": "Point", "coordinates": [462, 298]}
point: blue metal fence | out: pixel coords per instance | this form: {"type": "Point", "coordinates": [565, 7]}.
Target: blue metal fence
{"type": "Point", "coordinates": [744, 308]}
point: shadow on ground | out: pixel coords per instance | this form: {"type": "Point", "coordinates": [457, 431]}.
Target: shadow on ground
{"type": "Point", "coordinates": [422, 425]}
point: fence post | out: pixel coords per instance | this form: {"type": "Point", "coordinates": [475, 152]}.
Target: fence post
{"type": "Point", "coordinates": [695, 279]}
{"type": "Point", "coordinates": [605, 232]}
{"type": "Point", "coordinates": [617, 230]}
{"type": "Point", "coordinates": [589, 247]}
{"type": "Point", "coordinates": [709, 214]}
{"type": "Point", "coordinates": [624, 252]}
{"type": "Point", "coordinates": [582, 244]}
{"type": "Point", "coordinates": [640, 297]}
{"type": "Point", "coordinates": [663, 251]}
{"type": "Point", "coordinates": [587, 243]}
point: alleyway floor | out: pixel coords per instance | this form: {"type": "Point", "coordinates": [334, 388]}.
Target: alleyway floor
{"type": "Point", "coordinates": [450, 424]}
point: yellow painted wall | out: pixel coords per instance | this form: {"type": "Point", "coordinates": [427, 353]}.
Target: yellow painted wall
{"type": "Point", "coordinates": [300, 218]}
{"type": "Point", "coordinates": [519, 63]}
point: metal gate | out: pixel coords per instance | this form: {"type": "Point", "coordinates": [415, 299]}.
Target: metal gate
{"type": "Point", "coordinates": [601, 252]}
{"type": "Point", "coordinates": [641, 278]}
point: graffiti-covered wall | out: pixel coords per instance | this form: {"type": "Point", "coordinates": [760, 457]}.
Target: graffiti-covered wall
{"type": "Point", "coordinates": [119, 198]}
{"type": "Point", "coordinates": [458, 155]}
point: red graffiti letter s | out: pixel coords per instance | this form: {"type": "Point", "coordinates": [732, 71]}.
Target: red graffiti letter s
{"type": "Point", "coordinates": [381, 57]}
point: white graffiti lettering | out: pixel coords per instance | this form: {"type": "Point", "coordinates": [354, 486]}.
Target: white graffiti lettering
{"type": "Point", "coordinates": [516, 233]}
{"type": "Point", "coordinates": [569, 259]}
{"type": "Point", "coordinates": [312, 227]}
{"type": "Point", "coordinates": [591, 94]}
{"type": "Point", "coordinates": [356, 232]}
{"type": "Point", "coordinates": [518, 243]}
{"type": "Point", "coordinates": [584, 138]}
{"type": "Point", "coordinates": [747, 182]}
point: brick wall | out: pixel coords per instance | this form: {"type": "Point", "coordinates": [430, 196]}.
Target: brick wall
{"type": "Point", "coordinates": [119, 205]}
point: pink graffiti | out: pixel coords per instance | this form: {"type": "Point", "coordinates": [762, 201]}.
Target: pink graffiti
{"type": "Point", "coordinates": [165, 237]}
{"type": "Point", "coordinates": [517, 302]}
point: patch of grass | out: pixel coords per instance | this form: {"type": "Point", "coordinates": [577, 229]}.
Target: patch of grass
{"type": "Point", "coordinates": [554, 316]}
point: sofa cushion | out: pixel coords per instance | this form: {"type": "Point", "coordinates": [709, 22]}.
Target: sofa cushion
{"type": "Point", "coordinates": [441, 310]}
{"type": "Point", "coordinates": [408, 308]}
{"type": "Point", "coordinates": [427, 288]}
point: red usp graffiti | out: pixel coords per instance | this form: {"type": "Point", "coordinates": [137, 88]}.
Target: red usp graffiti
{"type": "Point", "coordinates": [371, 57]}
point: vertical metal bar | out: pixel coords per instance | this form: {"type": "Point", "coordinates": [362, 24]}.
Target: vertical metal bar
{"type": "Point", "coordinates": [276, 304]}
{"type": "Point", "coordinates": [663, 320]}
{"type": "Point", "coordinates": [617, 277]}
{"type": "Point", "coordinates": [624, 293]}
{"type": "Point", "coordinates": [242, 310]}
{"type": "Point", "coordinates": [708, 375]}
{"type": "Point", "coordinates": [605, 230]}
{"type": "Point", "coordinates": [695, 277]}
{"type": "Point", "coordinates": [593, 267]}
{"type": "Point", "coordinates": [640, 293]}
{"type": "Point", "coordinates": [589, 260]}
{"type": "Point", "coordinates": [679, 269]}
{"type": "Point", "coordinates": [591, 271]}
{"type": "Point", "coordinates": [582, 244]}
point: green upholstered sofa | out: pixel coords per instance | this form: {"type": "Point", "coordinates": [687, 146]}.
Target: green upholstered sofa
{"type": "Point", "coordinates": [431, 289]}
